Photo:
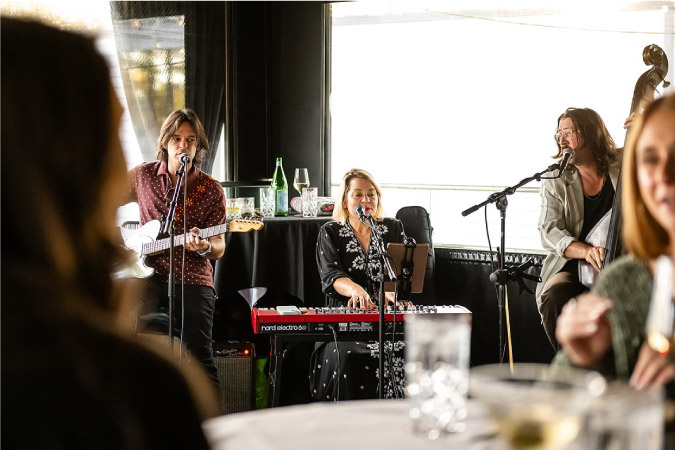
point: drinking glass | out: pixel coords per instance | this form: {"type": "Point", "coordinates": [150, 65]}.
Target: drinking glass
{"type": "Point", "coordinates": [624, 418]}
{"type": "Point", "coordinates": [537, 406]}
{"type": "Point", "coordinates": [301, 179]}
{"type": "Point", "coordinates": [247, 206]}
{"type": "Point", "coordinates": [232, 208]}
{"type": "Point", "coordinates": [310, 203]}
{"type": "Point", "coordinates": [437, 371]}
{"type": "Point", "coordinates": [267, 195]}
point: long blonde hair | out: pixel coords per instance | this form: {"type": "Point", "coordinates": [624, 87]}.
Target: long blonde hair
{"type": "Point", "coordinates": [340, 212]}
{"type": "Point", "coordinates": [642, 234]}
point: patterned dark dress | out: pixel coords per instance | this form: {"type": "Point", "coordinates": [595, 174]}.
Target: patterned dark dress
{"type": "Point", "coordinates": [348, 370]}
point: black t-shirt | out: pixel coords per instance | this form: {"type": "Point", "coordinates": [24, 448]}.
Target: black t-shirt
{"type": "Point", "coordinates": [596, 206]}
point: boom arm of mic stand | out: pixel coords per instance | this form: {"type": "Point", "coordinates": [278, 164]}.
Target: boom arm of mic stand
{"type": "Point", "coordinates": [510, 190]}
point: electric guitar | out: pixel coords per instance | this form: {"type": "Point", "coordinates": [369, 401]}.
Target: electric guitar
{"type": "Point", "coordinates": [143, 241]}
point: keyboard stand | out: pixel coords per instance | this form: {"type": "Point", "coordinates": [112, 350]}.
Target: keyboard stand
{"type": "Point", "coordinates": [279, 340]}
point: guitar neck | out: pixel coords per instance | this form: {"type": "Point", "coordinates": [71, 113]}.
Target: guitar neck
{"type": "Point", "coordinates": [179, 240]}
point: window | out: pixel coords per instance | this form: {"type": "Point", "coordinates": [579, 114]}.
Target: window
{"type": "Point", "coordinates": [447, 104]}
{"type": "Point", "coordinates": [152, 58]}
{"type": "Point", "coordinates": [92, 18]}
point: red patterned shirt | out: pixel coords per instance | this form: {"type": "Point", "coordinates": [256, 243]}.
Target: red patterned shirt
{"type": "Point", "coordinates": [152, 188]}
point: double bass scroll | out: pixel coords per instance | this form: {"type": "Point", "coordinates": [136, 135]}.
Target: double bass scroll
{"type": "Point", "coordinates": [646, 85]}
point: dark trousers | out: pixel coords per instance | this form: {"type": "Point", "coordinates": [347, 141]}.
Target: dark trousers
{"type": "Point", "coordinates": [559, 289]}
{"type": "Point", "coordinates": [194, 317]}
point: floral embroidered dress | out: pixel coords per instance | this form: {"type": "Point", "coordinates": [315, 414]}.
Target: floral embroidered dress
{"type": "Point", "coordinates": [339, 254]}
{"type": "Point", "coordinates": [354, 364]}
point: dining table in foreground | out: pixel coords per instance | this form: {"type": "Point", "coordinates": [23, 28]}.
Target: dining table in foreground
{"type": "Point", "coordinates": [350, 425]}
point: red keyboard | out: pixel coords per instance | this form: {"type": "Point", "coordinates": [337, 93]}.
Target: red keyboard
{"type": "Point", "coordinates": [321, 320]}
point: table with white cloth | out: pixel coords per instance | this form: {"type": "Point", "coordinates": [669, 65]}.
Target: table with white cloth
{"type": "Point", "coordinates": [350, 425]}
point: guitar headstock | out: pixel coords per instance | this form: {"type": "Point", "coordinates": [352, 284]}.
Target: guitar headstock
{"type": "Point", "coordinates": [243, 225]}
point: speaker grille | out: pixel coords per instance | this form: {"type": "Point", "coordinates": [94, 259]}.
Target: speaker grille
{"type": "Point", "coordinates": [236, 383]}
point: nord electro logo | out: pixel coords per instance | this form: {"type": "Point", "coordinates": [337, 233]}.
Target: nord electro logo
{"type": "Point", "coordinates": [284, 327]}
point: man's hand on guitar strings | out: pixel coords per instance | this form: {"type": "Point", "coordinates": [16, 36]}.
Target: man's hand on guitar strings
{"type": "Point", "coordinates": [194, 242]}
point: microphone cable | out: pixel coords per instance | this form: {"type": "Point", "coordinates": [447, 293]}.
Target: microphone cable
{"type": "Point", "coordinates": [182, 274]}
{"type": "Point", "coordinates": [502, 347]}
{"type": "Point", "coordinates": [336, 388]}
{"type": "Point", "coordinates": [392, 368]}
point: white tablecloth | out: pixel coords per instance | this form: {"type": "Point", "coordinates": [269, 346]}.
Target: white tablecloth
{"type": "Point", "coordinates": [354, 425]}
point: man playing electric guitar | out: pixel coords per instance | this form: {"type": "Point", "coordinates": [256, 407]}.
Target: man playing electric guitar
{"type": "Point", "coordinates": [152, 185]}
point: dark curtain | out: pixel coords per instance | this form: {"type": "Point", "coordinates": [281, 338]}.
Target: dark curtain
{"type": "Point", "coordinates": [205, 69]}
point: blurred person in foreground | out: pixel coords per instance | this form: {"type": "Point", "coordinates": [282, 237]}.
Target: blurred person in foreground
{"type": "Point", "coordinates": [73, 377]}
{"type": "Point", "coordinates": [605, 330]}
{"type": "Point", "coordinates": [347, 256]}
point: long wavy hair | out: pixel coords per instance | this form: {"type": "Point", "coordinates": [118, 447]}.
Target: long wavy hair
{"type": "Point", "coordinates": [642, 233]}
{"type": "Point", "coordinates": [590, 126]}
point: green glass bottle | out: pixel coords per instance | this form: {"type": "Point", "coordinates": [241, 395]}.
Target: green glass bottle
{"type": "Point", "coordinates": [280, 186]}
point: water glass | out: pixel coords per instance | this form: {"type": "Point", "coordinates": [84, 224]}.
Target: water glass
{"type": "Point", "coordinates": [232, 208]}
{"type": "Point", "coordinates": [437, 371]}
{"type": "Point", "coordinates": [310, 203]}
{"type": "Point", "coordinates": [267, 197]}
{"type": "Point", "coordinates": [247, 206]}
{"type": "Point", "coordinates": [624, 418]}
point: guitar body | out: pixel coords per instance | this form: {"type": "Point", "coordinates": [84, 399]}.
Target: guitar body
{"type": "Point", "coordinates": [134, 240]}
{"type": "Point", "coordinates": [143, 241]}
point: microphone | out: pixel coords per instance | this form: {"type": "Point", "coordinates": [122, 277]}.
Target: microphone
{"type": "Point", "coordinates": [184, 158]}
{"type": "Point", "coordinates": [567, 155]}
{"type": "Point", "coordinates": [360, 211]}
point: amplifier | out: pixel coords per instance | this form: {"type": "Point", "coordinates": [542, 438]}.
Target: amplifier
{"type": "Point", "coordinates": [234, 361]}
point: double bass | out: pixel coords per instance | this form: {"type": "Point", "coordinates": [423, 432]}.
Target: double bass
{"type": "Point", "coordinates": [645, 87]}
{"type": "Point", "coordinates": [609, 227]}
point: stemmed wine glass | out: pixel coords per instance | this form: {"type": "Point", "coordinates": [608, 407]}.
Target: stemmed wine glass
{"type": "Point", "coordinates": [301, 179]}
{"type": "Point", "coordinates": [537, 406]}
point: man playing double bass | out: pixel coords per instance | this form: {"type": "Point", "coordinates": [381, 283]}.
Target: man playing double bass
{"type": "Point", "coordinates": [571, 207]}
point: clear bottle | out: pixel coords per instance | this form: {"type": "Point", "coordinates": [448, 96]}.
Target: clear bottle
{"type": "Point", "coordinates": [280, 186]}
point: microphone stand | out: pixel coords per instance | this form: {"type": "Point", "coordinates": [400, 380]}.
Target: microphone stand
{"type": "Point", "coordinates": [503, 274]}
{"type": "Point", "coordinates": [168, 227]}
{"type": "Point", "coordinates": [379, 278]}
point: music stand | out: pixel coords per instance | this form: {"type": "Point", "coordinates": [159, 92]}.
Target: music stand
{"type": "Point", "coordinates": [397, 252]}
